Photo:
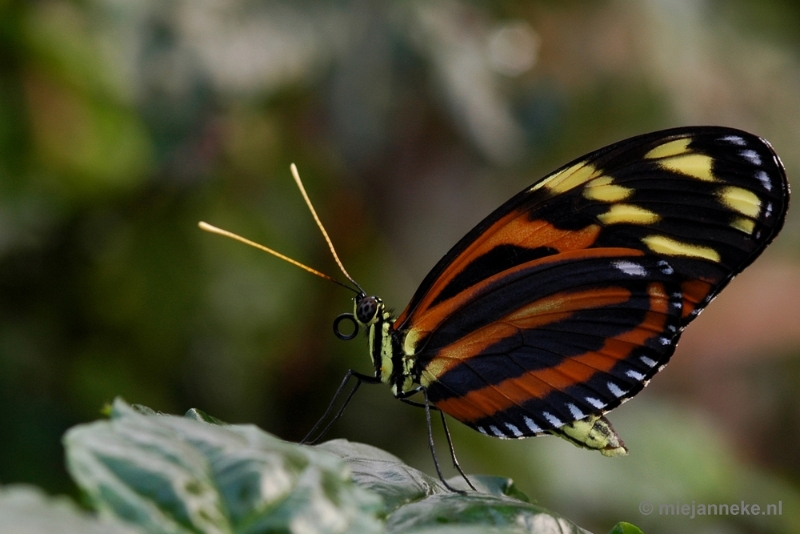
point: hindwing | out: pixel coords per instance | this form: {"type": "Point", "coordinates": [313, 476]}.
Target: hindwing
{"type": "Point", "coordinates": [565, 301]}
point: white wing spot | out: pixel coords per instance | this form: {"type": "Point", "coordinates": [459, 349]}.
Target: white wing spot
{"type": "Point", "coordinates": [664, 340]}
{"type": "Point", "coordinates": [496, 431]}
{"type": "Point", "coordinates": [630, 268]}
{"type": "Point", "coordinates": [614, 389]}
{"type": "Point", "coordinates": [751, 156]}
{"type": "Point", "coordinates": [763, 177]}
{"type": "Point", "coordinates": [635, 375]}
{"type": "Point", "coordinates": [649, 362]}
{"type": "Point", "coordinates": [575, 411]}
{"type": "Point", "coordinates": [597, 403]}
{"type": "Point", "coordinates": [768, 210]}
{"type": "Point", "coordinates": [530, 424]}
{"type": "Point", "coordinates": [514, 430]}
{"type": "Point", "coordinates": [666, 268]}
{"type": "Point", "coordinates": [481, 430]}
{"type": "Point", "coordinates": [735, 139]}
{"type": "Point", "coordinates": [553, 420]}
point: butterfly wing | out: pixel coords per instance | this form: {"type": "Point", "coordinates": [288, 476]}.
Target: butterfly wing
{"type": "Point", "coordinates": [567, 299]}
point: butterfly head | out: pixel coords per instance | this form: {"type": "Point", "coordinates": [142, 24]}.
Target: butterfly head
{"type": "Point", "coordinates": [367, 312]}
{"type": "Point", "coordinates": [367, 309]}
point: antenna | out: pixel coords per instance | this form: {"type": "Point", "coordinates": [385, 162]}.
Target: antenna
{"type": "Point", "coordinates": [299, 182]}
{"type": "Point", "coordinates": [214, 230]}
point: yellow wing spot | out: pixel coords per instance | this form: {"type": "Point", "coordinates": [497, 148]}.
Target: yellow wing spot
{"type": "Point", "coordinates": [628, 214]}
{"type": "Point", "coordinates": [692, 165]}
{"type": "Point", "coordinates": [601, 181]}
{"type": "Point", "coordinates": [745, 225]}
{"type": "Point", "coordinates": [567, 179]}
{"type": "Point", "coordinates": [602, 189]}
{"type": "Point", "coordinates": [672, 247]}
{"type": "Point", "coordinates": [427, 378]}
{"type": "Point", "coordinates": [668, 150]}
{"type": "Point", "coordinates": [741, 200]}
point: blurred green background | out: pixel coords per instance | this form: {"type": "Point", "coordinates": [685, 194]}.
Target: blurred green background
{"type": "Point", "coordinates": [122, 124]}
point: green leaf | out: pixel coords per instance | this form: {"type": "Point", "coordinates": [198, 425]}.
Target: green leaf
{"type": "Point", "coordinates": [417, 503]}
{"type": "Point", "coordinates": [625, 528]}
{"type": "Point", "coordinates": [198, 474]}
{"type": "Point", "coordinates": [28, 510]}
{"type": "Point", "coordinates": [200, 415]}
{"type": "Point", "coordinates": [173, 474]}
{"type": "Point", "coordinates": [499, 486]}
{"type": "Point", "coordinates": [384, 474]}
{"type": "Point", "coordinates": [491, 513]}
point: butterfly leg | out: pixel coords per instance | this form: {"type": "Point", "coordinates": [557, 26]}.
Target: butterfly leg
{"type": "Point", "coordinates": [427, 406]}
{"type": "Point", "coordinates": [431, 445]}
{"type": "Point", "coordinates": [416, 404]}
{"type": "Point", "coordinates": [359, 379]}
{"type": "Point", "coordinates": [453, 452]}
{"type": "Point", "coordinates": [446, 433]}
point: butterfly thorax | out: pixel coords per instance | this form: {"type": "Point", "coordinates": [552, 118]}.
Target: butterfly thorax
{"type": "Point", "coordinates": [392, 366]}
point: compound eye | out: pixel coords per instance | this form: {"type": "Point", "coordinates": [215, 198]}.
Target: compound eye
{"type": "Point", "coordinates": [366, 309]}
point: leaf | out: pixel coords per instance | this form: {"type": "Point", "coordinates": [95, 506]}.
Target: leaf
{"type": "Point", "coordinates": [385, 474]}
{"type": "Point", "coordinates": [415, 502]}
{"type": "Point", "coordinates": [198, 474]}
{"type": "Point", "coordinates": [172, 474]}
{"type": "Point", "coordinates": [501, 514]}
{"type": "Point", "coordinates": [625, 528]}
{"type": "Point", "coordinates": [28, 510]}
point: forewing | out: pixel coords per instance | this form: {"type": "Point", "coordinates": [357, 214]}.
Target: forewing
{"type": "Point", "coordinates": [709, 199]}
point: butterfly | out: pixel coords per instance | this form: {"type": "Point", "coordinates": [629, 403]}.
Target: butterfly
{"type": "Point", "coordinates": [567, 299]}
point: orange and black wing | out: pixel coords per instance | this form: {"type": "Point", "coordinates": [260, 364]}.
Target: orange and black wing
{"type": "Point", "coordinates": [567, 299]}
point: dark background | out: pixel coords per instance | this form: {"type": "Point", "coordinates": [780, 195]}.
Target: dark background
{"type": "Point", "coordinates": [124, 123]}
